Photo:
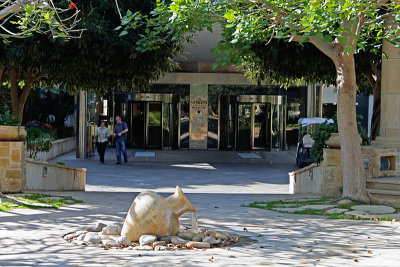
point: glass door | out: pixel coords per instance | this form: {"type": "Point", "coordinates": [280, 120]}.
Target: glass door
{"type": "Point", "coordinates": [244, 127]}
{"type": "Point", "coordinates": [137, 130]}
{"type": "Point", "coordinates": [260, 126]}
{"type": "Point", "coordinates": [154, 124]}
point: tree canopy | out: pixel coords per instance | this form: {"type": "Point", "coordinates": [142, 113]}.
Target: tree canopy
{"type": "Point", "coordinates": [20, 18]}
{"type": "Point", "coordinates": [101, 60]}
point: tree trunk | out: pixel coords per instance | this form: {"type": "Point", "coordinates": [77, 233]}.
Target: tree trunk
{"type": "Point", "coordinates": [354, 183]}
{"type": "Point", "coordinates": [18, 99]}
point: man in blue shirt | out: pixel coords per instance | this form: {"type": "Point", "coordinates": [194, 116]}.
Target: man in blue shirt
{"type": "Point", "coordinates": [120, 129]}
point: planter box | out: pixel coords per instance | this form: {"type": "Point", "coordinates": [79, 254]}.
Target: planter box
{"type": "Point", "coordinates": [12, 133]}
{"type": "Point", "coordinates": [46, 176]}
{"type": "Point", "coordinates": [334, 141]}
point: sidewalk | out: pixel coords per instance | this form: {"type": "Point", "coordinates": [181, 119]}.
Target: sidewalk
{"type": "Point", "coordinates": [217, 188]}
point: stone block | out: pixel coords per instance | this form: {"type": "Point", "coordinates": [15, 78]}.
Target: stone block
{"type": "Point", "coordinates": [16, 155]}
{"type": "Point", "coordinates": [4, 144]}
{"type": "Point", "coordinates": [4, 152]}
{"type": "Point", "coordinates": [4, 163]}
{"type": "Point", "coordinates": [13, 174]}
{"type": "Point", "coordinates": [11, 185]}
{"type": "Point", "coordinates": [332, 157]}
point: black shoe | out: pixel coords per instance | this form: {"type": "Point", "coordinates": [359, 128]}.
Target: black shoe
{"type": "Point", "coordinates": [125, 160]}
{"type": "Point", "coordinates": [118, 163]}
{"type": "Point", "coordinates": [101, 162]}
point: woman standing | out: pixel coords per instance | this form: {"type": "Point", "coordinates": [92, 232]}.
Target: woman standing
{"type": "Point", "coordinates": [102, 135]}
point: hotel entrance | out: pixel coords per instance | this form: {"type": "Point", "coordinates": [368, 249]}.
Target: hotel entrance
{"type": "Point", "coordinates": [248, 122]}
{"type": "Point", "coordinates": [153, 120]}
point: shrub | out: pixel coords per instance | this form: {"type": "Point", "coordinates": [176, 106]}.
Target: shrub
{"type": "Point", "coordinates": [9, 119]}
{"type": "Point", "coordinates": [61, 163]}
{"type": "Point", "coordinates": [37, 140]}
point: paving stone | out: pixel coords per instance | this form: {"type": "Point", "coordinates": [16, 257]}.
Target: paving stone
{"type": "Point", "coordinates": [50, 198]}
{"type": "Point", "coordinates": [319, 207]}
{"type": "Point", "coordinates": [374, 209]}
{"type": "Point", "coordinates": [157, 248]}
{"type": "Point", "coordinates": [198, 237]}
{"type": "Point", "coordinates": [344, 202]}
{"type": "Point", "coordinates": [336, 210]}
{"type": "Point", "coordinates": [355, 213]}
{"type": "Point", "coordinates": [289, 209]}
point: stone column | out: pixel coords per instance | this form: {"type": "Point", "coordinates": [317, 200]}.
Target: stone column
{"type": "Point", "coordinates": [12, 166]}
{"type": "Point", "coordinates": [81, 125]}
{"type": "Point", "coordinates": [390, 98]}
{"type": "Point", "coordinates": [198, 124]}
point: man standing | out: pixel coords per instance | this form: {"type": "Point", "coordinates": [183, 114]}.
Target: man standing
{"type": "Point", "coordinates": [120, 129]}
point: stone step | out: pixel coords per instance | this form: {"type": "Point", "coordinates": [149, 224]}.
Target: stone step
{"type": "Point", "coordinates": [384, 183]}
{"type": "Point", "coordinates": [385, 197]}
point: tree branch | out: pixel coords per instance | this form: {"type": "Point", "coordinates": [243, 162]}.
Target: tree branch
{"type": "Point", "coordinates": [324, 47]}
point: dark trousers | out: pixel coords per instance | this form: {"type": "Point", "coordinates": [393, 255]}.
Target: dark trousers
{"type": "Point", "coordinates": [101, 149]}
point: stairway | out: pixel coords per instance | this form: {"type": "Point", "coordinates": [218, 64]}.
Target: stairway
{"type": "Point", "coordinates": [384, 190]}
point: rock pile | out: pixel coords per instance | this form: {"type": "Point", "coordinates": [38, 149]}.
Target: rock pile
{"type": "Point", "coordinates": [109, 236]}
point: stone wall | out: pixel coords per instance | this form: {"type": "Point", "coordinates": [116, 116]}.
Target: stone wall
{"type": "Point", "coordinates": [12, 166]}
{"type": "Point", "coordinates": [46, 176]}
{"type": "Point", "coordinates": [60, 146]}
{"type": "Point", "coordinates": [327, 178]}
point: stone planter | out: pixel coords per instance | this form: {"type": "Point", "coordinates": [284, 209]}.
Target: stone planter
{"type": "Point", "coordinates": [12, 133]}
{"type": "Point", "coordinates": [334, 141]}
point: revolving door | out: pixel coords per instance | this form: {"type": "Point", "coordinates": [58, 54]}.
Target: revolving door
{"type": "Point", "coordinates": [153, 120]}
{"type": "Point", "coordinates": [252, 122]}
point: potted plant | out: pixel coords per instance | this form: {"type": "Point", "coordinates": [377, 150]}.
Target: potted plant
{"type": "Point", "coordinates": [10, 128]}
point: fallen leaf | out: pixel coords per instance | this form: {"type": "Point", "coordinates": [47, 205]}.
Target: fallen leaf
{"type": "Point", "coordinates": [348, 242]}
{"type": "Point", "coordinates": [354, 251]}
{"type": "Point", "coordinates": [227, 248]}
{"type": "Point", "coordinates": [303, 262]}
{"type": "Point", "coordinates": [261, 246]}
{"type": "Point", "coordinates": [289, 230]}
{"type": "Point", "coordinates": [231, 256]}
{"type": "Point", "coordinates": [216, 207]}
{"type": "Point", "coordinates": [211, 259]}
{"type": "Point", "coordinates": [140, 255]}
{"type": "Point", "coordinates": [260, 235]}
{"type": "Point", "coordinates": [315, 242]}
{"type": "Point", "coordinates": [369, 237]}
{"type": "Point", "coordinates": [355, 260]}
{"type": "Point", "coordinates": [369, 252]}
{"type": "Point", "coordinates": [310, 250]}
{"type": "Point", "coordinates": [317, 260]}
{"type": "Point", "coordinates": [245, 229]}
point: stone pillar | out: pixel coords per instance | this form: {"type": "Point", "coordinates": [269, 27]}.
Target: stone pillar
{"type": "Point", "coordinates": [12, 166]}
{"type": "Point", "coordinates": [390, 98]}
{"type": "Point", "coordinates": [314, 100]}
{"type": "Point", "coordinates": [198, 124]}
{"type": "Point", "coordinates": [81, 125]}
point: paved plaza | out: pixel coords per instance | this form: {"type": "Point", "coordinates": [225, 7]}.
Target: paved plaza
{"type": "Point", "coordinates": [217, 183]}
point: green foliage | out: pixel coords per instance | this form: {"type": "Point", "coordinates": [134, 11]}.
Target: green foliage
{"type": "Point", "coordinates": [9, 119]}
{"type": "Point", "coordinates": [101, 60]}
{"type": "Point", "coordinates": [38, 140]}
{"type": "Point", "coordinates": [61, 163]}
{"type": "Point", "coordinates": [320, 134]}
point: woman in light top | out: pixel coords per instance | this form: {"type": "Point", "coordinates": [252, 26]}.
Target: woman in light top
{"type": "Point", "coordinates": [102, 135]}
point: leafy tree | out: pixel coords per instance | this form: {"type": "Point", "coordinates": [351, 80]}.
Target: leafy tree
{"type": "Point", "coordinates": [100, 60]}
{"type": "Point", "coordinates": [338, 28]}
{"type": "Point", "coordinates": [20, 18]}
